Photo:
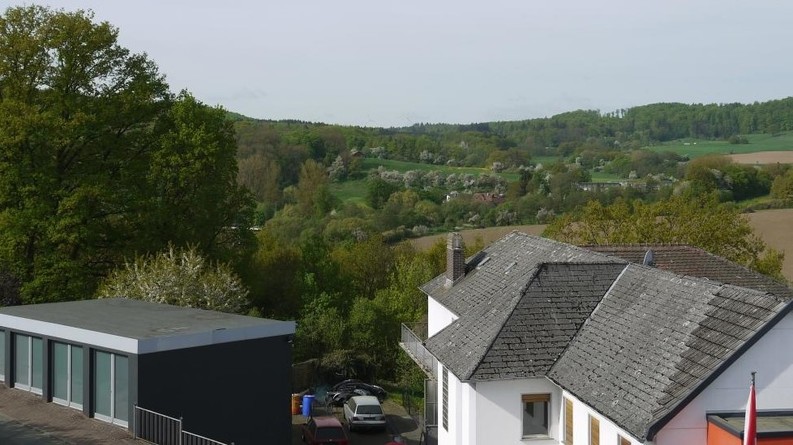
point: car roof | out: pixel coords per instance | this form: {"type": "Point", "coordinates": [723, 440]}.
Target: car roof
{"type": "Point", "coordinates": [326, 421]}
{"type": "Point", "coordinates": [366, 400]}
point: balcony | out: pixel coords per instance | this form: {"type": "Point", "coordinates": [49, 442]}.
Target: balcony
{"type": "Point", "coordinates": [413, 343]}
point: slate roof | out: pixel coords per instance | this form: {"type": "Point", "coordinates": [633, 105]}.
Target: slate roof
{"type": "Point", "coordinates": [557, 302]}
{"type": "Point", "coordinates": [654, 338]}
{"type": "Point", "coordinates": [632, 341]}
{"type": "Point", "coordinates": [695, 262]}
{"type": "Point", "coordinates": [485, 298]}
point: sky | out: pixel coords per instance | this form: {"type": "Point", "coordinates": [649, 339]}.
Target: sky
{"type": "Point", "coordinates": [396, 63]}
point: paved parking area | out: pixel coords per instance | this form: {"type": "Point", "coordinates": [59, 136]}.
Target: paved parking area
{"type": "Point", "coordinates": [400, 427]}
{"type": "Point", "coordinates": [26, 419]}
{"type": "Point", "coordinates": [13, 432]}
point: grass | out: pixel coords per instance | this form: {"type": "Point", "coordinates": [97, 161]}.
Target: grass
{"type": "Point", "coordinates": [350, 191]}
{"type": "Point", "coordinates": [605, 177]}
{"type": "Point", "coordinates": [695, 148]}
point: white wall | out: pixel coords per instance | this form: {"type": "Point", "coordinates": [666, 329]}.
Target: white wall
{"type": "Point", "coordinates": [771, 357]}
{"type": "Point", "coordinates": [438, 317]}
{"type": "Point", "coordinates": [454, 433]}
{"type": "Point", "coordinates": [499, 411]}
{"type": "Point", "coordinates": [608, 429]}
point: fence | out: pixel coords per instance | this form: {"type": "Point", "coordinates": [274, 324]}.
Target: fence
{"type": "Point", "coordinates": [414, 346]}
{"type": "Point", "coordinates": [160, 429]}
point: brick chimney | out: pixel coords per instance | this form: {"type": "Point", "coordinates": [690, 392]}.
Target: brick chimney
{"type": "Point", "coordinates": [455, 258]}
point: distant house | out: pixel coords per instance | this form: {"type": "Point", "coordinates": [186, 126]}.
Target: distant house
{"type": "Point", "coordinates": [491, 198]}
{"type": "Point", "coordinates": [227, 376]}
{"type": "Point", "coordinates": [536, 341]}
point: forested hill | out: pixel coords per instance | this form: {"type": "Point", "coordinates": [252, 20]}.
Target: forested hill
{"type": "Point", "coordinates": [642, 125]}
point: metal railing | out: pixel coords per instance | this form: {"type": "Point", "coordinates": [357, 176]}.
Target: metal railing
{"type": "Point", "coordinates": [414, 346]}
{"type": "Point", "coordinates": [160, 429]}
{"type": "Point", "coordinates": [194, 439]}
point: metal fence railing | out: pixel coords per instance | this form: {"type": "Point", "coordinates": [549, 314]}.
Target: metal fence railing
{"type": "Point", "coordinates": [414, 345]}
{"type": "Point", "coordinates": [194, 439]}
{"type": "Point", "coordinates": [160, 429]}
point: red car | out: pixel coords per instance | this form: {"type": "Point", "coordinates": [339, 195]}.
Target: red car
{"type": "Point", "coordinates": [326, 430]}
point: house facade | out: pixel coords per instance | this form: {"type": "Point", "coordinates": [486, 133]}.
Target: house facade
{"type": "Point", "coordinates": [223, 374]}
{"type": "Point", "coordinates": [546, 343]}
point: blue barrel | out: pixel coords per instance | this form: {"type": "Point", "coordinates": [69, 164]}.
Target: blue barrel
{"type": "Point", "coordinates": [308, 399]}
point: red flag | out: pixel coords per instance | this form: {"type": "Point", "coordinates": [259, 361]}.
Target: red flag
{"type": "Point", "coordinates": [750, 422]}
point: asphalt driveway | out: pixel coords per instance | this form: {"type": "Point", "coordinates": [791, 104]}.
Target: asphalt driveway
{"type": "Point", "coordinates": [15, 433]}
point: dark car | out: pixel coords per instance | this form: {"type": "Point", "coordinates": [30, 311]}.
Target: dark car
{"type": "Point", "coordinates": [344, 390]}
{"type": "Point", "coordinates": [325, 430]}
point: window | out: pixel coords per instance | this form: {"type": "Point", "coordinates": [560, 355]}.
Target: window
{"type": "Point", "coordinates": [568, 422]}
{"type": "Point", "coordinates": [622, 441]}
{"type": "Point", "coordinates": [594, 431]}
{"type": "Point", "coordinates": [445, 401]}
{"type": "Point", "coordinates": [67, 375]}
{"type": "Point", "coordinates": [535, 414]}
{"type": "Point", "coordinates": [29, 363]}
{"type": "Point", "coordinates": [111, 383]}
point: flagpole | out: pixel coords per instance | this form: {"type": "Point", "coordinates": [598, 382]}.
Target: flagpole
{"type": "Point", "coordinates": [750, 420]}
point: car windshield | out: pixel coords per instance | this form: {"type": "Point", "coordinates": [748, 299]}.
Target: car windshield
{"type": "Point", "coordinates": [330, 432]}
{"type": "Point", "coordinates": [369, 409]}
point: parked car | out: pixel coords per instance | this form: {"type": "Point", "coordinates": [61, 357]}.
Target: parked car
{"type": "Point", "coordinates": [324, 430]}
{"type": "Point", "coordinates": [364, 412]}
{"type": "Point", "coordinates": [342, 391]}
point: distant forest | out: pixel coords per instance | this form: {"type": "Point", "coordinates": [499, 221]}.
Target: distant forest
{"type": "Point", "coordinates": [288, 143]}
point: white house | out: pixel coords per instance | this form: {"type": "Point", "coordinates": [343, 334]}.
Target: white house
{"type": "Point", "coordinates": [540, 342]}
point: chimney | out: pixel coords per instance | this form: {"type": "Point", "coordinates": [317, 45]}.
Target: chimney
{"type": "Point", "coordinates": [455, 259]}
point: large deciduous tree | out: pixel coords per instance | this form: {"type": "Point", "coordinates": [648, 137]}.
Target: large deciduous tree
{"type": "Point", "coordinates": [702, 222]}
{"type": "Point", "coordinates": [93, 149]}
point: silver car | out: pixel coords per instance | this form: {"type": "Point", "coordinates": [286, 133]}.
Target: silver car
{"type": "Point", "coordinates": [364, 412]}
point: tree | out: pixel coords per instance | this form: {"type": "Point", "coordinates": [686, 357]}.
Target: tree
{"type": "Point", "coordinates": [313, 191]}
{"type": "Point", "coordinates": [702, 222]}
{"type": "Point", "coordinates": [782, 187]}
{"type": "Point", "coordinates": [75, 117]}
{"type": "Point", "coordinates": [193, 177]}
{"type": "Point", "coordinates": [97, 159]}
{"type": "Point", "coordinates": [180, 277]}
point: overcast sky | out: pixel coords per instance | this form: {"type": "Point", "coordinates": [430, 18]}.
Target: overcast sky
{"type": "Point", "coordinates": [395, 63]}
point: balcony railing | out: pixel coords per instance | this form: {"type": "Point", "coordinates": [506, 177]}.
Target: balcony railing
{"type": "Point", "coordinates": [413, 344]}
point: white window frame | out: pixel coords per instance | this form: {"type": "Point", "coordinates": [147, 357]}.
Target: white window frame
{"type": "Point", "coordinates": [29, 387]}
{"type": "Point", "coordinates": [112, 418]}
{"type": "Point", "coordinates": [69, 397]}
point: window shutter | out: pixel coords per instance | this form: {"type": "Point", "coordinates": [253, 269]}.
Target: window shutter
{"type": "Point", "coordinates": [623, 441]}
{"type": "Point", "coordinates": [568, 422]}
{"type": "Point", "coordinates": [594, 431]}
{"type": "Point", "coordinates": [532, 398]}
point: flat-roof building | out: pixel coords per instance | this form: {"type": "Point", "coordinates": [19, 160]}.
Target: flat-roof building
{"type": "Point", "coordinates": [226, 376]}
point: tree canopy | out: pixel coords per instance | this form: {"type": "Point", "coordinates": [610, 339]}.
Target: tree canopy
{"type": "Point", "coordinates": [98, 160]}
{"type": "Point", "coordinates": [181, 277]}
{"type": "Point", "coordinates": [702, 222]}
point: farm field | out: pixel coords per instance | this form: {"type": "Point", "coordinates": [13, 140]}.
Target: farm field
{"type": "Point", "coordinates": [771, 225]}
{"type": "Point", "coordinates": [764, 157]}
{"type": "Point", "coordinates": [695, 148]}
